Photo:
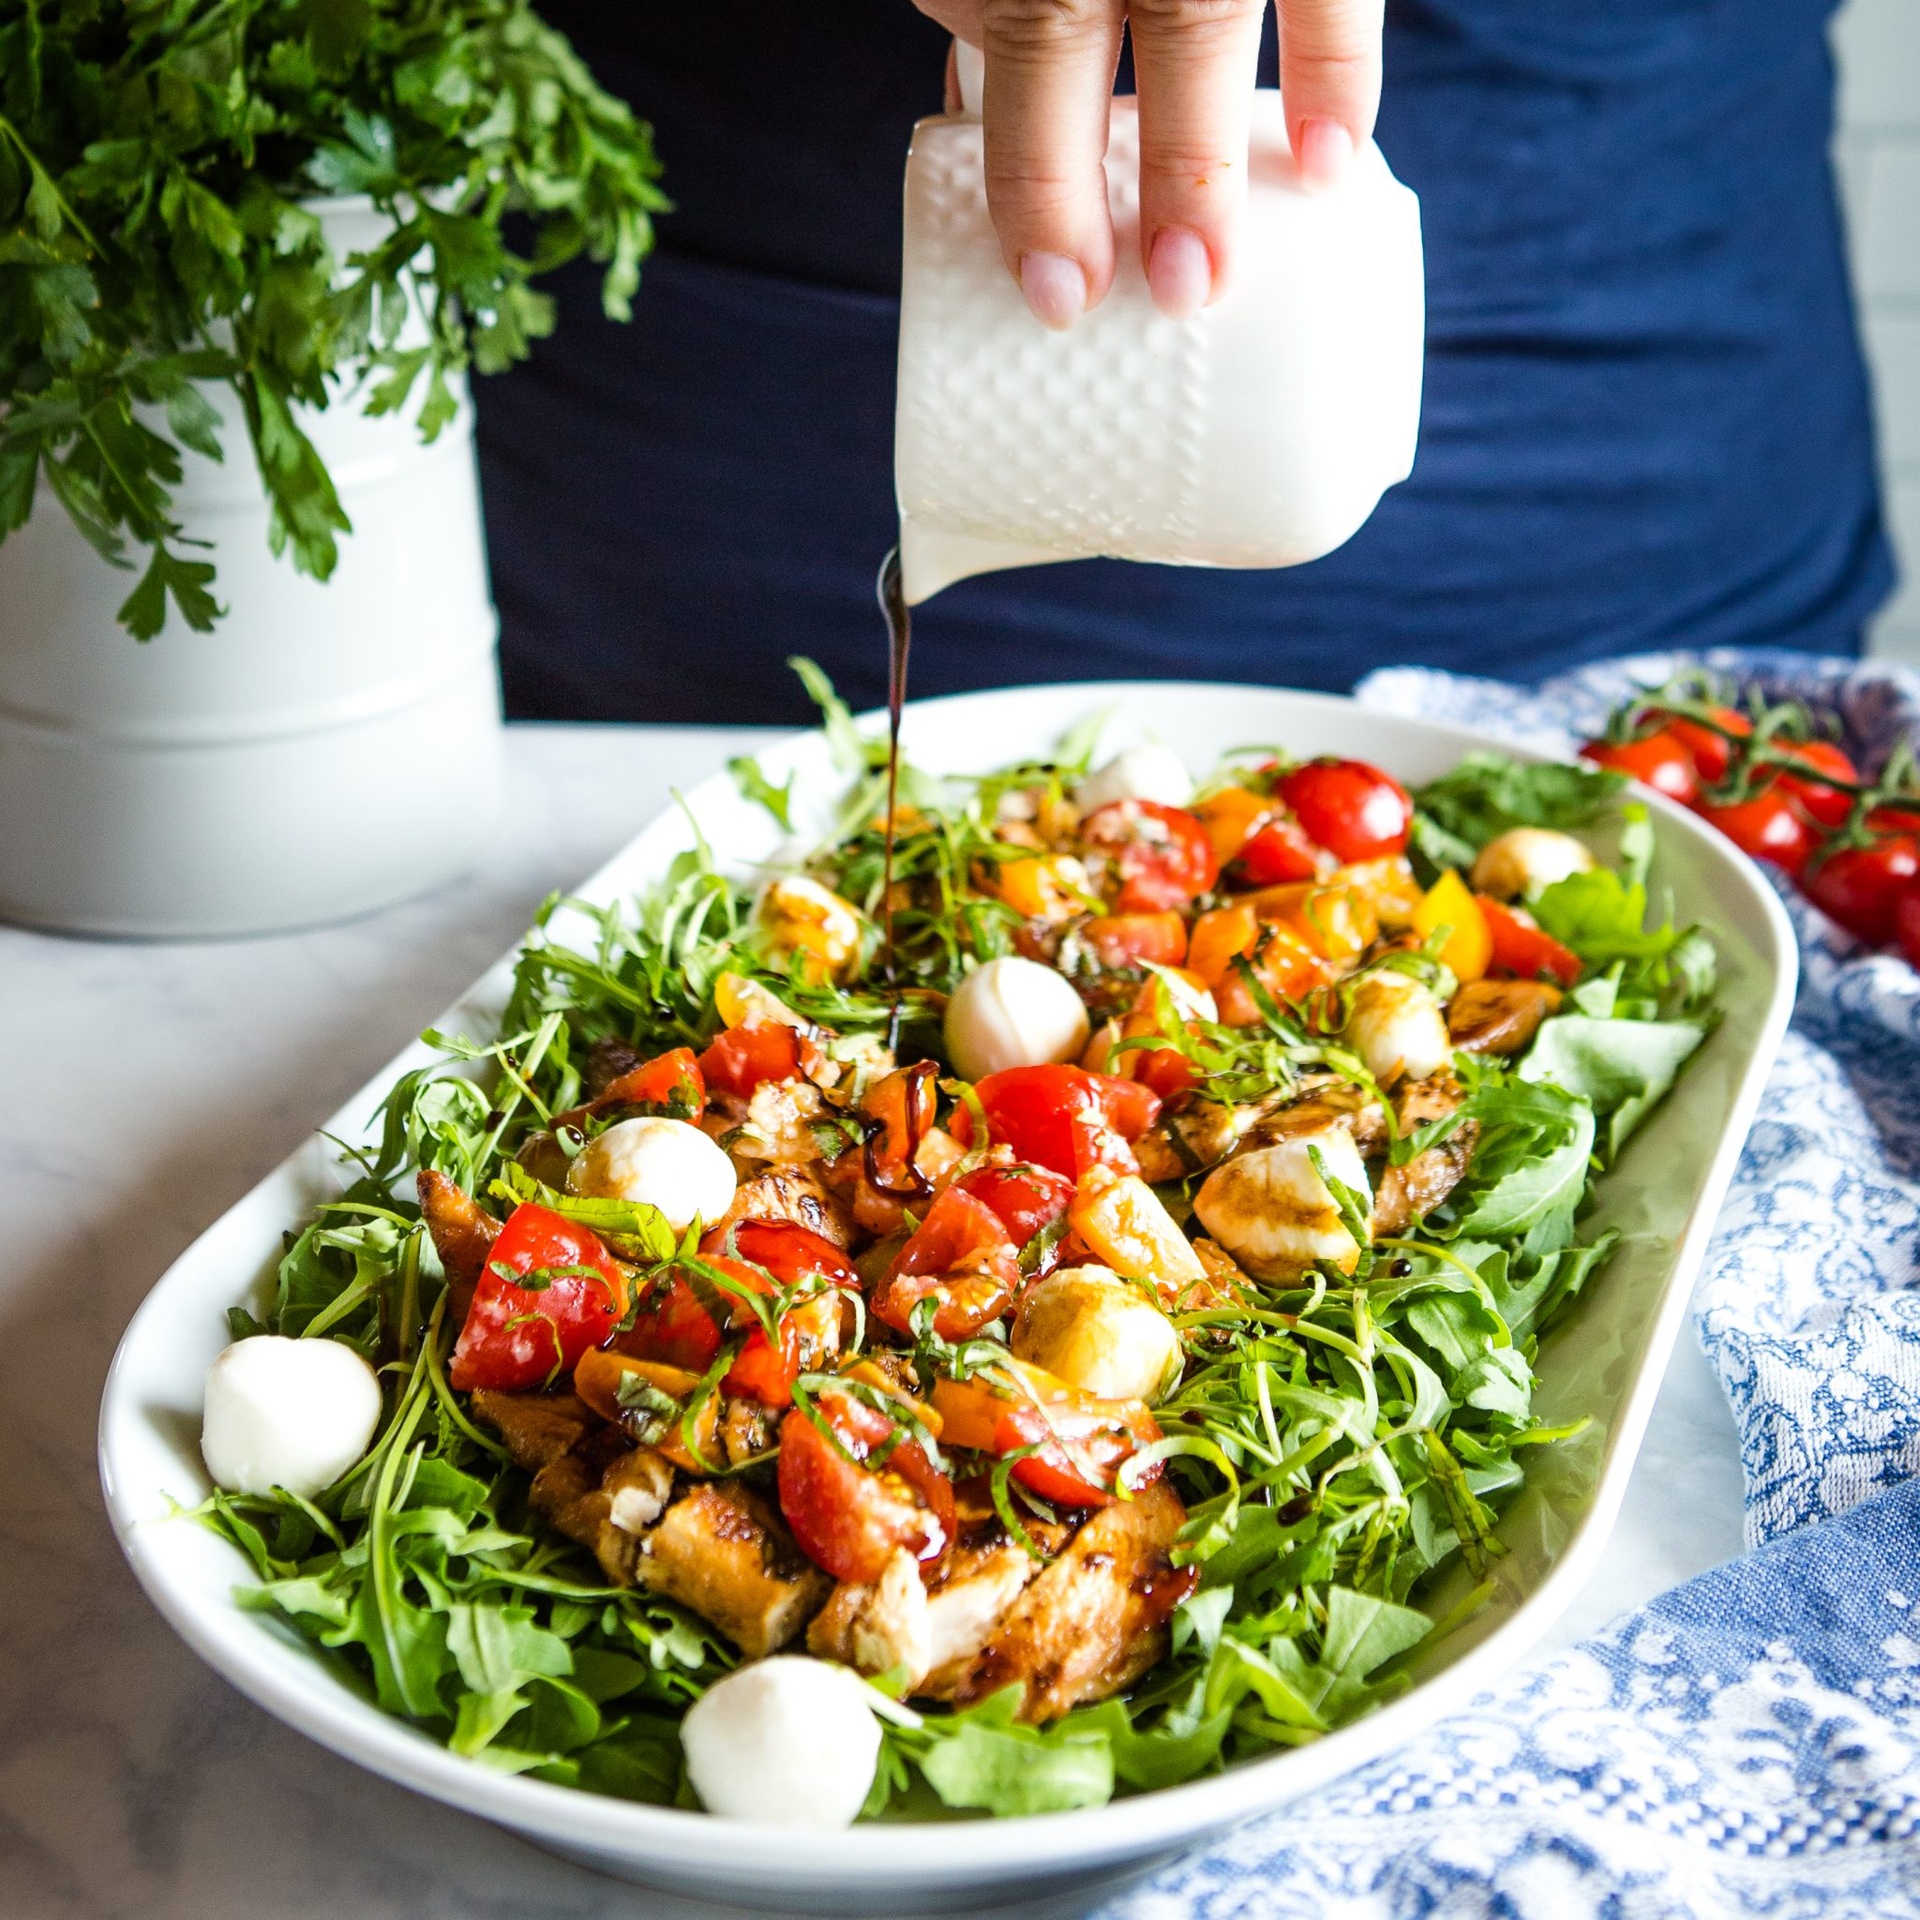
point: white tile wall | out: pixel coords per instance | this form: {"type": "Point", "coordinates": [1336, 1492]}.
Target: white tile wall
{"type": "Point", "coordinates": [1878, 44]}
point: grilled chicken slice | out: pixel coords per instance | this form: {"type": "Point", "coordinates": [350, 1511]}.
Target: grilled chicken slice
{"type": "Point", "coordinates": [1088, 1625]}
{"type": "Point", "coordinates": [934, 1627]}
{"type": "Point", "coordinates": [1404, 1193]}
{"type": "Point", "coordinates": [796, 1194]}
{"type": "Point", "coordinates": [1500, 1016]}
{"type": "Point", "coordinates": [537, 1427]}
{"type": "Point", "coordinates": [589, 1482]}
{"type": "Point", "coordinates": [721, 1551]}
{"type": "Point", "coordinates": [463, 1235]}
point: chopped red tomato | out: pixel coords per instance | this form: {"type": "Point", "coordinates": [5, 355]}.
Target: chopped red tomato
{"type": "Point", "coordinates": [1278, 853]}
{"type": "Point", "coordinates": [1816, 764]}
{"type": "Point", "coordinates": [1660, 761]}
{"type": "Point", "coordinates": [516, 1334]}
{"type": "Point", "coordinates": [788, 1251]}
{"type": "Point", "coordinates": [1352, 809]}
{"type": "Point", "coordinates": [1162, 854]}
{"type": "Point", "coordinates": [1519, 947]}
{"type": "Point", "coordinates": [1082, 1440]}
{"type": "Point", "coordinates": [1028, 1199]}
{"type": "Point", "coordinates": [1134, 939]}
{"type": "Point", "coordinates": [671, 1080]}
{"type": "Point", "coordinates": [677, 1327]}
{"type": "Point", "coordinates": [1861, 886]}
{"type": "Point", "coordinates": [962, 1257]}
{"type": "Point", "coordinates": [1767, 827]}
{"type": "Point", "coordinates": [1906, 924]}
{"type": "Point", "coordinates": [1165, 1072]}
{"type": "Point", "coordinates": [1064, 1117]}
{"type": "Point", "coordinates": [855, 1499]}
{"type": "Point", "coordinates": [742, 1057]}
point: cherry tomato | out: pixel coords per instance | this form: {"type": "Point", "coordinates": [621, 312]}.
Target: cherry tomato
{"type": "Point", "coordinates": [1822, 761]}
{"type": "Point", "coordinates": [1162, 854]}
{"type": "Point", "coordinates": [1519, 947]}
{"type": "Point", "coordinates": [1027, 1198]}
{"type": "Point", "coordinates": [1133, 939]}
{"type": "Point", "coordinates": [1064, 1117]}
{"type": "Point", "coordinates": [1279, 852]}
{"type": "Point", "coordinates": [765, 1369]}
{"type": "Point", "coordinates": [1660, 761]}
{"type": "Point", "coordinates": [1711, 753]}
{"type": "Point", "coordinates": [788, 1251]}
{"type": "Point", "coordinates": [1353, 810]}
{"type": "Point", "coordinates": [1861, 886]}
{"type": "Point", "coordinates": [960, 1256]}
{"type": "Point", "coordinates": [904, 1104]}
{"type": "Point", "coordinates": [1165, 1071]}
{"type": "Point", "coordinates": [1767, 827]}
{"type": "Point", "coordinates": [741, 1057]}
{"type": "Point", "coordinates": [670, 1081]}
{"type": "Point", "coordinates": [516, 1337]}
{"type": "Point", "coordinates": [1906, 924]}
{"type": "Point", "coordinates": [675, 1327]}
{"type": "Point", "coordinates": [850, 1517]}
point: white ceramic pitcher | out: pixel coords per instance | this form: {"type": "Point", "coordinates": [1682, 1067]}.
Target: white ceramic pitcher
{"type": "Point", "coordinates": [1259, 433]}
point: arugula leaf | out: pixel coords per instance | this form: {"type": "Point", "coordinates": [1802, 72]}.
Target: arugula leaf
{"type": "Point", "coordinates": [754, 785]}
{"type": "Point", "coordinates": [982, 1758]}
{"type": "Point", "coordinates": [1487, 793]}
{"type": "Point", "coordinates": [1621, 1067]}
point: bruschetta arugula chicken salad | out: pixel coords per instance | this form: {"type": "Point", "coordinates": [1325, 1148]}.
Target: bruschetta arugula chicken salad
{"type": "Point", "coordinates": [1046, 1329]}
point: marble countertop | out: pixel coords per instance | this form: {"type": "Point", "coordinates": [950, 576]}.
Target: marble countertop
{"type": "Point", "coordinates": [147, 1088]}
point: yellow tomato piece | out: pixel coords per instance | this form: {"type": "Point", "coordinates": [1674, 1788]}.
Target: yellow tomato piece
{"type": "Point", "coordinates": [1049, 887]}
{"type": "Point", "coordinates": [1450, 903]}
{"type": "Point", "coordinates": [739, 1000]}
{"type": "Point", "coordinates": [1336, 922]}
{"type": "Point", "coordinates": [1120, 1217]}
{"type": "Point", "coordinates": [1390, 885]}
{"type": "Point", "coordinates": [1230, 817]}
{"type": "Point", "coordinates": [1219, 935]}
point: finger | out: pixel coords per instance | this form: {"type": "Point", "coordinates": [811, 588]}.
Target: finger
{"type": "Point", "coordinates": [1194, 62]}
{"type": "Point", "coordinates": [1330, 78]}
{"type": "Point", "coordinates": [1050, 66]}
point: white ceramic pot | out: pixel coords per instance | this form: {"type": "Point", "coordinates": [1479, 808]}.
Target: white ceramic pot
{"type": "Point", "coordinates": [325, 750]}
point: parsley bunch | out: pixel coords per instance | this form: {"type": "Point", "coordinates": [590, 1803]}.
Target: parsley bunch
{"type": "Point", "coordinates": [156, 161]}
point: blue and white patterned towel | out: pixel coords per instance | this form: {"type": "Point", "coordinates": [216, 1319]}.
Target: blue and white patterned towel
{"type": "Point", "coordinates": [1749, 1744]}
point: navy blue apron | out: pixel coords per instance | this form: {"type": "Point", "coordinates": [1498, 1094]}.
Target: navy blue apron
{"type": "Point", "coordinates": [1645, 424]}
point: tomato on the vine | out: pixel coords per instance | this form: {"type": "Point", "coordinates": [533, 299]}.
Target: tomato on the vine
{"type": "Point", "coordinates": [1768, 826]}
{"type": "Point", "coordinates": [1161, 854]}
{"type": "Point", "coordinates": [1660, 761]}
{"type": "Point", "coordinates": [1860, 887]}
{"type": "Point", "coordinates": [1906, 924]}
{"type": "Point", "coordinates": [516, 1336]}
{"type": "Point", "coordinates": [852, 1517]}
{"type": "Point", "coordinates": [1816, 763]}
{"type": "Point", "coordinates": [1352, 809]}
{"type": "Point", "coordinates": [1711, 752]}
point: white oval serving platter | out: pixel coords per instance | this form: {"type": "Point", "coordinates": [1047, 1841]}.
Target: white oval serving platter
{"type": "Point", "coordinates": [1605, 1362]}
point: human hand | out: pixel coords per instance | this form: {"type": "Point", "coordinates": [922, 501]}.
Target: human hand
{"type": "Point", "coordinates": [1050, 67]}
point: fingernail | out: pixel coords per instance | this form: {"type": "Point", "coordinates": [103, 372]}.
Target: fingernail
{"type": "Point", "coordinates": [1325, 149]}
{"type": "Point", "coordinates": [1055, 287]}
{"type": "Point", "coordinates": [1179, 272]}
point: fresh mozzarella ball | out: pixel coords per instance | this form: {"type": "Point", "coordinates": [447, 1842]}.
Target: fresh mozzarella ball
{"type": "Point", "coordinates": [1396, 1027]}
{"type": "Point", "coordinates": [658, 1162]}
{"type": "Point", "coordinates": [1147, 772]}
{"type": "Point", "coordinates": [1086, 1326]}
{"type": "Point", "coordinates": [1014, 1013]}
{"type": "Point", "coordinates": [1525, 861]}
{"type": "Point", "coordinates": [287, 1413]}
{"type": "Point", "coordinates": [1272, 1211]}
{"type": "Point", "coordinates": [802, 914]}
{"type": "Point", "coordinates": [787, 1742]}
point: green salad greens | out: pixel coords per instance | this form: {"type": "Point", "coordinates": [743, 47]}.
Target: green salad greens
{"type": "Point", "coordinates": [1346, 1418]}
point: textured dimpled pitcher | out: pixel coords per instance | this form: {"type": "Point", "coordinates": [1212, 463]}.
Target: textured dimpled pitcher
{"type": "Point", "coordinates": [1259, 433]}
